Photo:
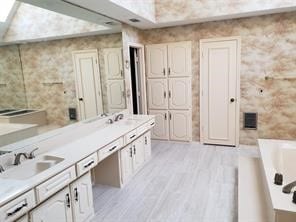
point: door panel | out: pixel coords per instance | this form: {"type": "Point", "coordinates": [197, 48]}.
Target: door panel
{"type": "Point", "coordinates": [139, 153]}
{"type": "Point", "coordinates": [219, 86]}
{"type": "Point", "coordinates": [180, 125]}
{"type": "Point", "coordinates": [116, 95]}
{"type": "Point", "coordinates": [157, 94]}
{"type": "Point", "coordinates": [113, 63]}
{"type": "Point", "coordinates": [156, 56]}
{"type": "Point", "coordinates": [54, 209]}
{"type": "Point", "coordinates": [160, 130]}
{"type": "Point", "coordinates": [88, 84]}
{"type": "Point", "coordinates": [126, 163]}
{"type": "Point", "coordinates": [179, 93]}
{"type": "Point", "coordinates": [179, 59]}
{"type": "Point", "coordinates": [82, 198]}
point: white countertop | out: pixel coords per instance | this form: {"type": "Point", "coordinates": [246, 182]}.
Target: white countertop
{"type": "Point", "coordinates": [280, 201]}
{"type": "Point", "coordinates": [87, 139]}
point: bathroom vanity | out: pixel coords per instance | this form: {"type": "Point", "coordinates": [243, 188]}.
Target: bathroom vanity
{"type": "Point", "coordinates": [57, 184]}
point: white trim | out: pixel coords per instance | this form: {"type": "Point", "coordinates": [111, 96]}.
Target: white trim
{"type": "Point", "coordinates": [237, 120]}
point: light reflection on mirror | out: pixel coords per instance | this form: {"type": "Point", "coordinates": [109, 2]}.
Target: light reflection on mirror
{"type": "Point", "coordinates": [45, 85]}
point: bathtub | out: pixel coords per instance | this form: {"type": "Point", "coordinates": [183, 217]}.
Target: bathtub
{"type": "Point", "coordinates": [24, 116]}
{"type": "Point", "coordinates": [278, 156]}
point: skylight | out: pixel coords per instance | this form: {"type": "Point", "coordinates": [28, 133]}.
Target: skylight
{"type": "Point", "coordinates": [5, 8]}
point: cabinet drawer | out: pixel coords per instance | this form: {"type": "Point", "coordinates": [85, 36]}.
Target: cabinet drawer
{"type": "Point", "coordinates": [131, 136]}
{"type": "Point", "coordinates": [109, 149]}
{"type": "Point", "coordinates": [56, 183]}
{"type": "Point", "coordinates": [86, 164]}
{"type": "Point", "coordinates": [17, 207]}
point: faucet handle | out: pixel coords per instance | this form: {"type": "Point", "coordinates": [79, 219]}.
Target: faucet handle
{"type": "Point", "coordinates": [31, 155]}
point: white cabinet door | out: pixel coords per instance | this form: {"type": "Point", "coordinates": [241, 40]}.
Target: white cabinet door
{"type": "Point", "coordinates": [179, 59]}
{"type": "Point", "coordinates": [57, 208]}
{"type": "Point", "coordinates": [156, 56]}
{"type": "Point", "coordinates": [82, 198]}
{"type": "Point", "coordinates": [179, 93]}
{"type": "Point", "coordinates": [115, 94]}
{"type": "Point", "coordinates": [138, 153]}
{"type": "Point", "coordinates": [180, 125]}
{"type": "Point", "coordinates": [160, 130]}
{"type": "Point", "coordinates": [113, 63]}
{"type": "Point", "coordinates": [157, 94]}
{"type": "Point", "coordinates": [147, 145]}
{"type": "Point", "coordinates": [126, 163]}
{"type": "Point", "coordinates": [24, 218]}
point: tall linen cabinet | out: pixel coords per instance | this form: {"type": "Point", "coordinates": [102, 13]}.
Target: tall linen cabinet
{"type": "Point", "coordinates": [169, 90]}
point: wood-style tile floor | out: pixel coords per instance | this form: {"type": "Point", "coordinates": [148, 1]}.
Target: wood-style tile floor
{"type": "Point", "coordinates": [182, 182]}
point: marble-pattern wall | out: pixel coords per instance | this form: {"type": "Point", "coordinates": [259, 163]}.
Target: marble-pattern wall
{"type": "Point", "coordinates": [12, 91]}
{"type": "Point", "coordinates": [268, 49]}
{"type": "Point", "coordinates": [177, 10]}
{"type": "Point", "coordinates": [144, 8]}
{"type": "Point", "coordinates": [31, 22]}
{"type": "Point", "coordinates": [51, 62]}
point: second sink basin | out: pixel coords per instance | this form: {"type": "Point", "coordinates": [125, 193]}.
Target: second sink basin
{"type": "Point", "coordinates": [31, 168]}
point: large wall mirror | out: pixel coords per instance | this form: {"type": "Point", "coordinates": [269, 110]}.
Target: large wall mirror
{"type": "Point", "coordinates": [50, 81]}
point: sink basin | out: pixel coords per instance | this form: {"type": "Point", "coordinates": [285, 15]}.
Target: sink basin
{"type": "Point", "coordinates": [31, 168]}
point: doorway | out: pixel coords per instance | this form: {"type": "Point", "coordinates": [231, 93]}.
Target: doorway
{"type": "Point", "coordinates": [220, 90]}
{"type": "Point", "coordinates": [88, 83]}
{"type": "Point", "coordinates": [138, 89]}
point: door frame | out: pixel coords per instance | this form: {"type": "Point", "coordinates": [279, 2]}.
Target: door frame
{"type": "Point", "coordinates": [128, 78]}
{"type": "Point", "coordinates": [98, 84]}
{"type": "Point", "coordinates": [238, 73]}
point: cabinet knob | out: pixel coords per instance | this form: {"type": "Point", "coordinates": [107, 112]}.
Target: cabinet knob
{"type": "Point", "coordinates": [232, 100]}
{"type": "Point", "coordinates": [80, 99]}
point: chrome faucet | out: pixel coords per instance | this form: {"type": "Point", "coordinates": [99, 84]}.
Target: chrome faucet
{"type": "Point", "coordinates": [1, 169]}
{"type": "Point", "coordinates": [17, 160]}
{"type": "Point", "coordinates": [118, 117]}
{"type": "Point", "coordinates": [288, 188]}
{"type": "Point", "coordinates": [110, 121]}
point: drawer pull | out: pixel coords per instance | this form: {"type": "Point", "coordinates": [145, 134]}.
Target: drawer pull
{"type": "Point", "coordinates": [76, 194]}
{"type": "Point", "coordinates": [131, 152]}
{"type": "Point", "coordinates": [134, 150]}
{"type": "Point", "coordinates": [113, 148]}
{"type": "Point", "coordinates": [89, 164]}
{"type": "Point", "coordinates": [17, 210]}
{"type": "Point", "coordinates": [145, 140]}
{"type": "Point", "coordinates": [68, 201]}
{"type": "Point", "coordinates": [152, 124]}
{"type": "Point", "coordinates": [132, 136]}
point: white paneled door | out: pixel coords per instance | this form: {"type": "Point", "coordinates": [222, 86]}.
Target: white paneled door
{"type": "Point", "coordinates": [179, 93]}
{"type": "Point", "coordinates": [88, 83]}
{"type": "Point", "coordinates": [179, 59]}
{"type": "Point", "coordinates": [220, 61]}
{"type": "Point", "coordinates": [156, 61]}
{"type": "Point", "coordinates": [180, 125]}
{"type": "Point", "coordinates": [161, 128]}
{"type": "Point", "coordinates": [113, 63]}
{"type": "Point", "coordinates": [157, 93]}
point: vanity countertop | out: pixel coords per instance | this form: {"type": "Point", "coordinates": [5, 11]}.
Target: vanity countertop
{"type": "Point", "coordinates": [73, 146]}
